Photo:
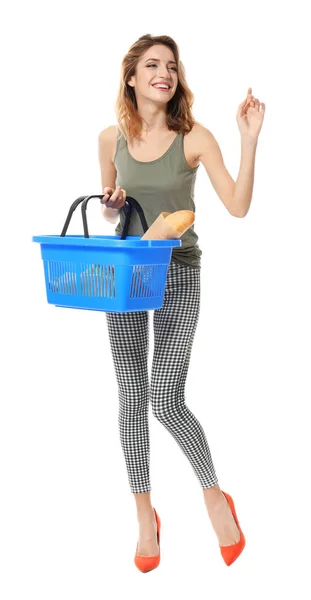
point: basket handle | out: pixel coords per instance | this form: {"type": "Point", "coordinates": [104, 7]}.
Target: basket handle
{"type": "Point", "coordinates": [129, 204]}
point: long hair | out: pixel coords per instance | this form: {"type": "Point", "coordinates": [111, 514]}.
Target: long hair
{"type": "Point", "coordinates": [179, 115]}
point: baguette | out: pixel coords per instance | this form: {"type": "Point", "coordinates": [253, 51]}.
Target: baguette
{"type": "Point", "coordinates": [181, 220]}
{"type": "Point", "coordinates": [170, 226]}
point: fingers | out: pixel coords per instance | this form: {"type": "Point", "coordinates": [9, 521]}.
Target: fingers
{"type": "Point", "coordinates": [249, 102]}
{"type": "Point", "coordinates": [107, 191]}
{"type": "Point", "coordinates": [117, 200]}
{"type": "Point", "coordinates": [114, 198]}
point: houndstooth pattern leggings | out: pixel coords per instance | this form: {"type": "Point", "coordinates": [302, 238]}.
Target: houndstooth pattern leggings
{"type": "Point", "coordinates": [174, 327]}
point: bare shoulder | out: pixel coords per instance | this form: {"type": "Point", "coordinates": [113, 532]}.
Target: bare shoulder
{"type": "Point", "coordinates": [198, 139]}
{"type": "Point", "coordinates": [199, 130]}
{"type": "Point", "coordinates": [107, 139]}
{"type": "Point", "coordinates": [108, 133]}
{"type": "Point", "coordinates": [197, 142]}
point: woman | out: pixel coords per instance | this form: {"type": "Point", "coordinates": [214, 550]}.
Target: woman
{"type": "Point", "coordinates": [153, 155]}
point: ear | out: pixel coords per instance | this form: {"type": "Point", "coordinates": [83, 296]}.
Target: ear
{"type": "Point", "coordinates": [131, 81]}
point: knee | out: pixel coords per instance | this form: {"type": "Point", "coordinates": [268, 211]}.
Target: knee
{"type": "Point", "coordinates": [133, 401]}
{"type": "Point", "coordinates": [163, 406]}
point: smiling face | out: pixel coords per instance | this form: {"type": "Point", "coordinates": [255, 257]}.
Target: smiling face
{"type": "Point", "coordinates": [156, 66]}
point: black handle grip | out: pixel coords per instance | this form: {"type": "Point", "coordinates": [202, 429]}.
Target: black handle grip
{"type": "Point", "coordinates": [130, 203]}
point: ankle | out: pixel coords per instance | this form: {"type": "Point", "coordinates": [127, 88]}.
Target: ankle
{"type": "Point", "coordinates": [213, 496]}
{"type": "Point", "coordinates": [146, 515]}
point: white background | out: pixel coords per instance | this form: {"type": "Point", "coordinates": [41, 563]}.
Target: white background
{"type": "Point", "coordinates": [68, 519]}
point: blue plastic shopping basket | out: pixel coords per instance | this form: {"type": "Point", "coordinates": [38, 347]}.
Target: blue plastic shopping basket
{"type": "Point", "coordinates": [105, 272]}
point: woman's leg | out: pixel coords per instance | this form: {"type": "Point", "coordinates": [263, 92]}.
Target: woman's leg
{"type": "Point", "coordinates": [129, 343]}
{"type": "Point", "coordinates": [174, 329]}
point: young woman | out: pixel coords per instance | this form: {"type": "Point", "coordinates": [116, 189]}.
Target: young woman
{"type": "Point", "coordinates": [153, 155]}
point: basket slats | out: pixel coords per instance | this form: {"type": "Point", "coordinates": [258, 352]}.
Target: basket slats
{"type": "Point", "coordinates": [127, 277]}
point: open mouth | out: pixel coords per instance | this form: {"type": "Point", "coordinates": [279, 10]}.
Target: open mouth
{"type": "Point", "coordinates": [161, 88]}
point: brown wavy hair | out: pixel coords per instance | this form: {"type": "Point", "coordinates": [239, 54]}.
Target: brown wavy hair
{"type": "Point", "coordinates": [179, 115]}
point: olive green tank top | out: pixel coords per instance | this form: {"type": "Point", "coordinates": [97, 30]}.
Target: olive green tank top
{"type": "Point", "coordinates": [165, 184]}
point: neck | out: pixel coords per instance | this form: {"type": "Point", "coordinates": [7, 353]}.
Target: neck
{"type": "Point", "coordinates": [154, 119]}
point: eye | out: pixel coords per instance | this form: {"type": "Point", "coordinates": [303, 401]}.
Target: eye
{"type": "Point", "coordinates": [154, 65]}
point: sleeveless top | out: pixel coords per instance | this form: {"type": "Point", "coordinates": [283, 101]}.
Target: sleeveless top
{"type": "Point", "coordinates": [165, 184]}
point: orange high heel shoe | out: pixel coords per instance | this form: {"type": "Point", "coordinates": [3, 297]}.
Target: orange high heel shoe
{"type": "Point", "coordinates": [231, 553]}
{"type": "Point", "coordinates": [147, 563]}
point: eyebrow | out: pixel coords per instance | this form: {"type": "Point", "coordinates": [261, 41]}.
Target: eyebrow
{"type": "Point", "coordinates": [157, 59]}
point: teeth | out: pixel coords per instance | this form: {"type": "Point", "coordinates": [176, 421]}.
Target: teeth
{"type": "Point", "coordinates": [166, 87]}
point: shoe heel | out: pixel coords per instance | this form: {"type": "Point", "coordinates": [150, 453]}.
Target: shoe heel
{"type": "Point", "coordinates": [148, 563]}
{"type": "Point", "coordinates": [231, 553]}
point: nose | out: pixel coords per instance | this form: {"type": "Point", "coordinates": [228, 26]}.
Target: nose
{"type": "Point", "coordinates": [164, 72]}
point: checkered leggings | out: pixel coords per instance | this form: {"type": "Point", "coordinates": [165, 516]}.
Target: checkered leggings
{"type": "Point", "coordinates": [174, 327]}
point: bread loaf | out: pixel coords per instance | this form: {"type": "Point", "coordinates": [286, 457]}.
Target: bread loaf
{"type": "Point", "coordinates": [170, 226]}
{"type": "Point", "coordinates": [181, 220]}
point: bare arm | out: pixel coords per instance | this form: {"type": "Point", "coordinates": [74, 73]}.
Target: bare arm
{"type": "Point", "coordinates": [210, 156]}
{"type": "Point", "coordinates": [107, 169]}
{"type": "Point", "coordinates": [236, 196]}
